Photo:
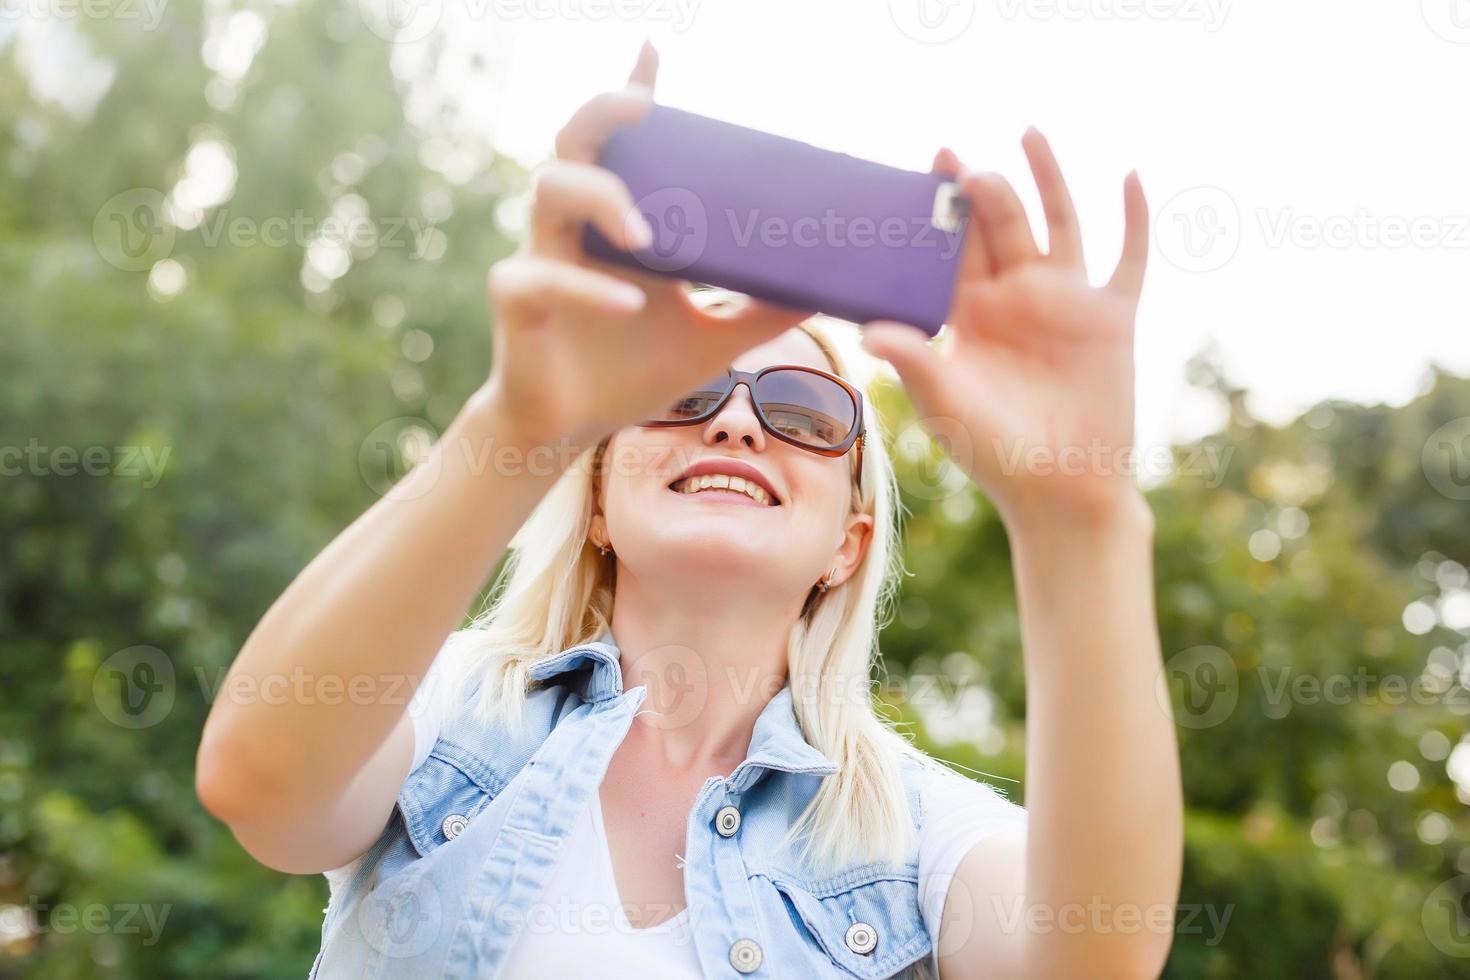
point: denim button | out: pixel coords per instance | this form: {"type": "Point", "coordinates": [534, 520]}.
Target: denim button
{"type": "Point", "coordinates": [454, 825]}
{"type": "Point", "coordinates": [727, 821]}
{"type": "Point", "coordinates": [861, 938]}
{"type": "Point", "coordinates": [746, 955]}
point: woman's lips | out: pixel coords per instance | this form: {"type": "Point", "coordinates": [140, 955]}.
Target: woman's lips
{"type": "Point", "coordinates": [718, 496]}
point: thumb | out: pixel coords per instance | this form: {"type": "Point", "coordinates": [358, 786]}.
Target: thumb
{"type": "Point", "coordinates": [908, 350]}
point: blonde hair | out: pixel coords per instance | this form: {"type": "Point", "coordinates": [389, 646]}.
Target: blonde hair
{"type": "Point", "coordinates": [556, 591]}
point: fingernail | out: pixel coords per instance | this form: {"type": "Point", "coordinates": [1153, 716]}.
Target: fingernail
{"type": "Point", "coordinates": [627, 296]}
{"type": "Point", "coordinates": [640, 232]}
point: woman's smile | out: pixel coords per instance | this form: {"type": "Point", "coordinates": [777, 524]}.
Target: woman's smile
{"type": "Point", "coordinates": [728, 480]}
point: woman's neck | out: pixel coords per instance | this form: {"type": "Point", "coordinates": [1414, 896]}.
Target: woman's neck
{"type": "Point", "coordinates": [710, 667]}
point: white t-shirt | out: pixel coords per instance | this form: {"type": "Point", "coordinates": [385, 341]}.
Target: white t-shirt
{"type": "Point", "coordinates": [581, 922]}
{"type": "Point", "coordinates": [584, 925]}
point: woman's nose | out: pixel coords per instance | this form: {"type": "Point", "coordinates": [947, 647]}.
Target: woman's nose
{"type": "Point", "coordinates": [736, 421]}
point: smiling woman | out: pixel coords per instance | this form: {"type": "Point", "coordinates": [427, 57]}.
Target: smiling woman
{"type": "Point", "coordinates": [657, 752]}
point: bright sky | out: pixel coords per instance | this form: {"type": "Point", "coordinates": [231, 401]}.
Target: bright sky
{"type": "Point", "coordinates": [1328, 253]}
{"type": "Point", "coordinates": [1306, 161]}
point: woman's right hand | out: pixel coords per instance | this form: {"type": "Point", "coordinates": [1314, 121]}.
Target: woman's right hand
{"type": "Point", "coordinates": [583, 348]}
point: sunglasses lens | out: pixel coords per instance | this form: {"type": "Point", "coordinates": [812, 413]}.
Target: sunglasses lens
{"type": "Point", "coordinates": [809, 408]}
{"type": "Point", "coordinates": [697, 402]}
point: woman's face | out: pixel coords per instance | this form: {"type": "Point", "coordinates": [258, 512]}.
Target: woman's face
{"type": "Point", "coordinates": [688, 541]}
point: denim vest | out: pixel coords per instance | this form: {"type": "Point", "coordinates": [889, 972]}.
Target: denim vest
{"type": "Point", "coordinates": [447, 889]}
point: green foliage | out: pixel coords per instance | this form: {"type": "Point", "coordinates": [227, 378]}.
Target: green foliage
{"type": "Point", "coordinates": [243, 405]}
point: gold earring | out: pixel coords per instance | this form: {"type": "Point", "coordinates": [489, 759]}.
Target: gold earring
{"type": "Point", "coordinates": [825, 582]}
{"type": "Point", "coordinates": [604, 550]}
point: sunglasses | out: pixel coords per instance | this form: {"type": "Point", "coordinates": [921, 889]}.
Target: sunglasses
{"type": "Point", "coordinates": [808, 408]}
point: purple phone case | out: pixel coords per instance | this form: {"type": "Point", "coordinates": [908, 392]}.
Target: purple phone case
{"type": "Point", "coordinates": [785, 221]}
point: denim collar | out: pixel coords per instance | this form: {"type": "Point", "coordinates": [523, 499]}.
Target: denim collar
{"type": "Point", "coordinates": [776, 743]}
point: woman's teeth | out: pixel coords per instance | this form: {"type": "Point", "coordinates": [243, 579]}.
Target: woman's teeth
{"type": "Point", "coordinates": [719, 481]}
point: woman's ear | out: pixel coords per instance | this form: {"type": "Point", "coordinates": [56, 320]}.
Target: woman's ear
{"type": "Point", "coordinates": [856, 537]}
{"type": "Point", "coordinates": [597, 526]}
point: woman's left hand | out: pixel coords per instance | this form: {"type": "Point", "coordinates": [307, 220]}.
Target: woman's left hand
{"type": "Point", "coordinates": [1038, 377]}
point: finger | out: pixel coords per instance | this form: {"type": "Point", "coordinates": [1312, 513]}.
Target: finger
{"type": "Point", "coordinates": [1128, 277]}
{"type": "Point", "coordinates": [582, 137]}
{"type": "Point", "coordinates": [747, 323]}
{"type": "Point", "coordinates": [990, 320]}
{"type": "Point", "coordinates": [1002, 220]}
{"type": "Point", "coordinates": [975, 262]}
{"type": "Point", "coordinates": [1063, 236]}
{"type": "Point", "coordinates": [645, 72]}
{"type": "Point", "coordinates": [917, 362]}
{"type": "Point", "coordinates": [947, 162]}
{"type": "Point", "coordinates": [566, 194]}
{"type": "Point", "coordinates": [531, 286]}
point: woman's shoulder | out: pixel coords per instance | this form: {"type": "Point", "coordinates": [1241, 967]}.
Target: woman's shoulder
{"type": "Point", "coordinates": [941, 792]}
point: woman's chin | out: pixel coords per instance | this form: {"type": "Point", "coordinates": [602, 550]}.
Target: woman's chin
{"type": "Point", "coordinates": [715, 547]}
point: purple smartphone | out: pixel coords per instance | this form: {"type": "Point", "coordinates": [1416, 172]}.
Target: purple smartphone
{"type": "Point", "coordinates": [787, 222]}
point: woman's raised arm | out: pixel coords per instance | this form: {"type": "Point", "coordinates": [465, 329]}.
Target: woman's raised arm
{"type": "Point", "coordinates": [307, 778]}
{"type": "Point", "coordinates": [1040, 377]}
